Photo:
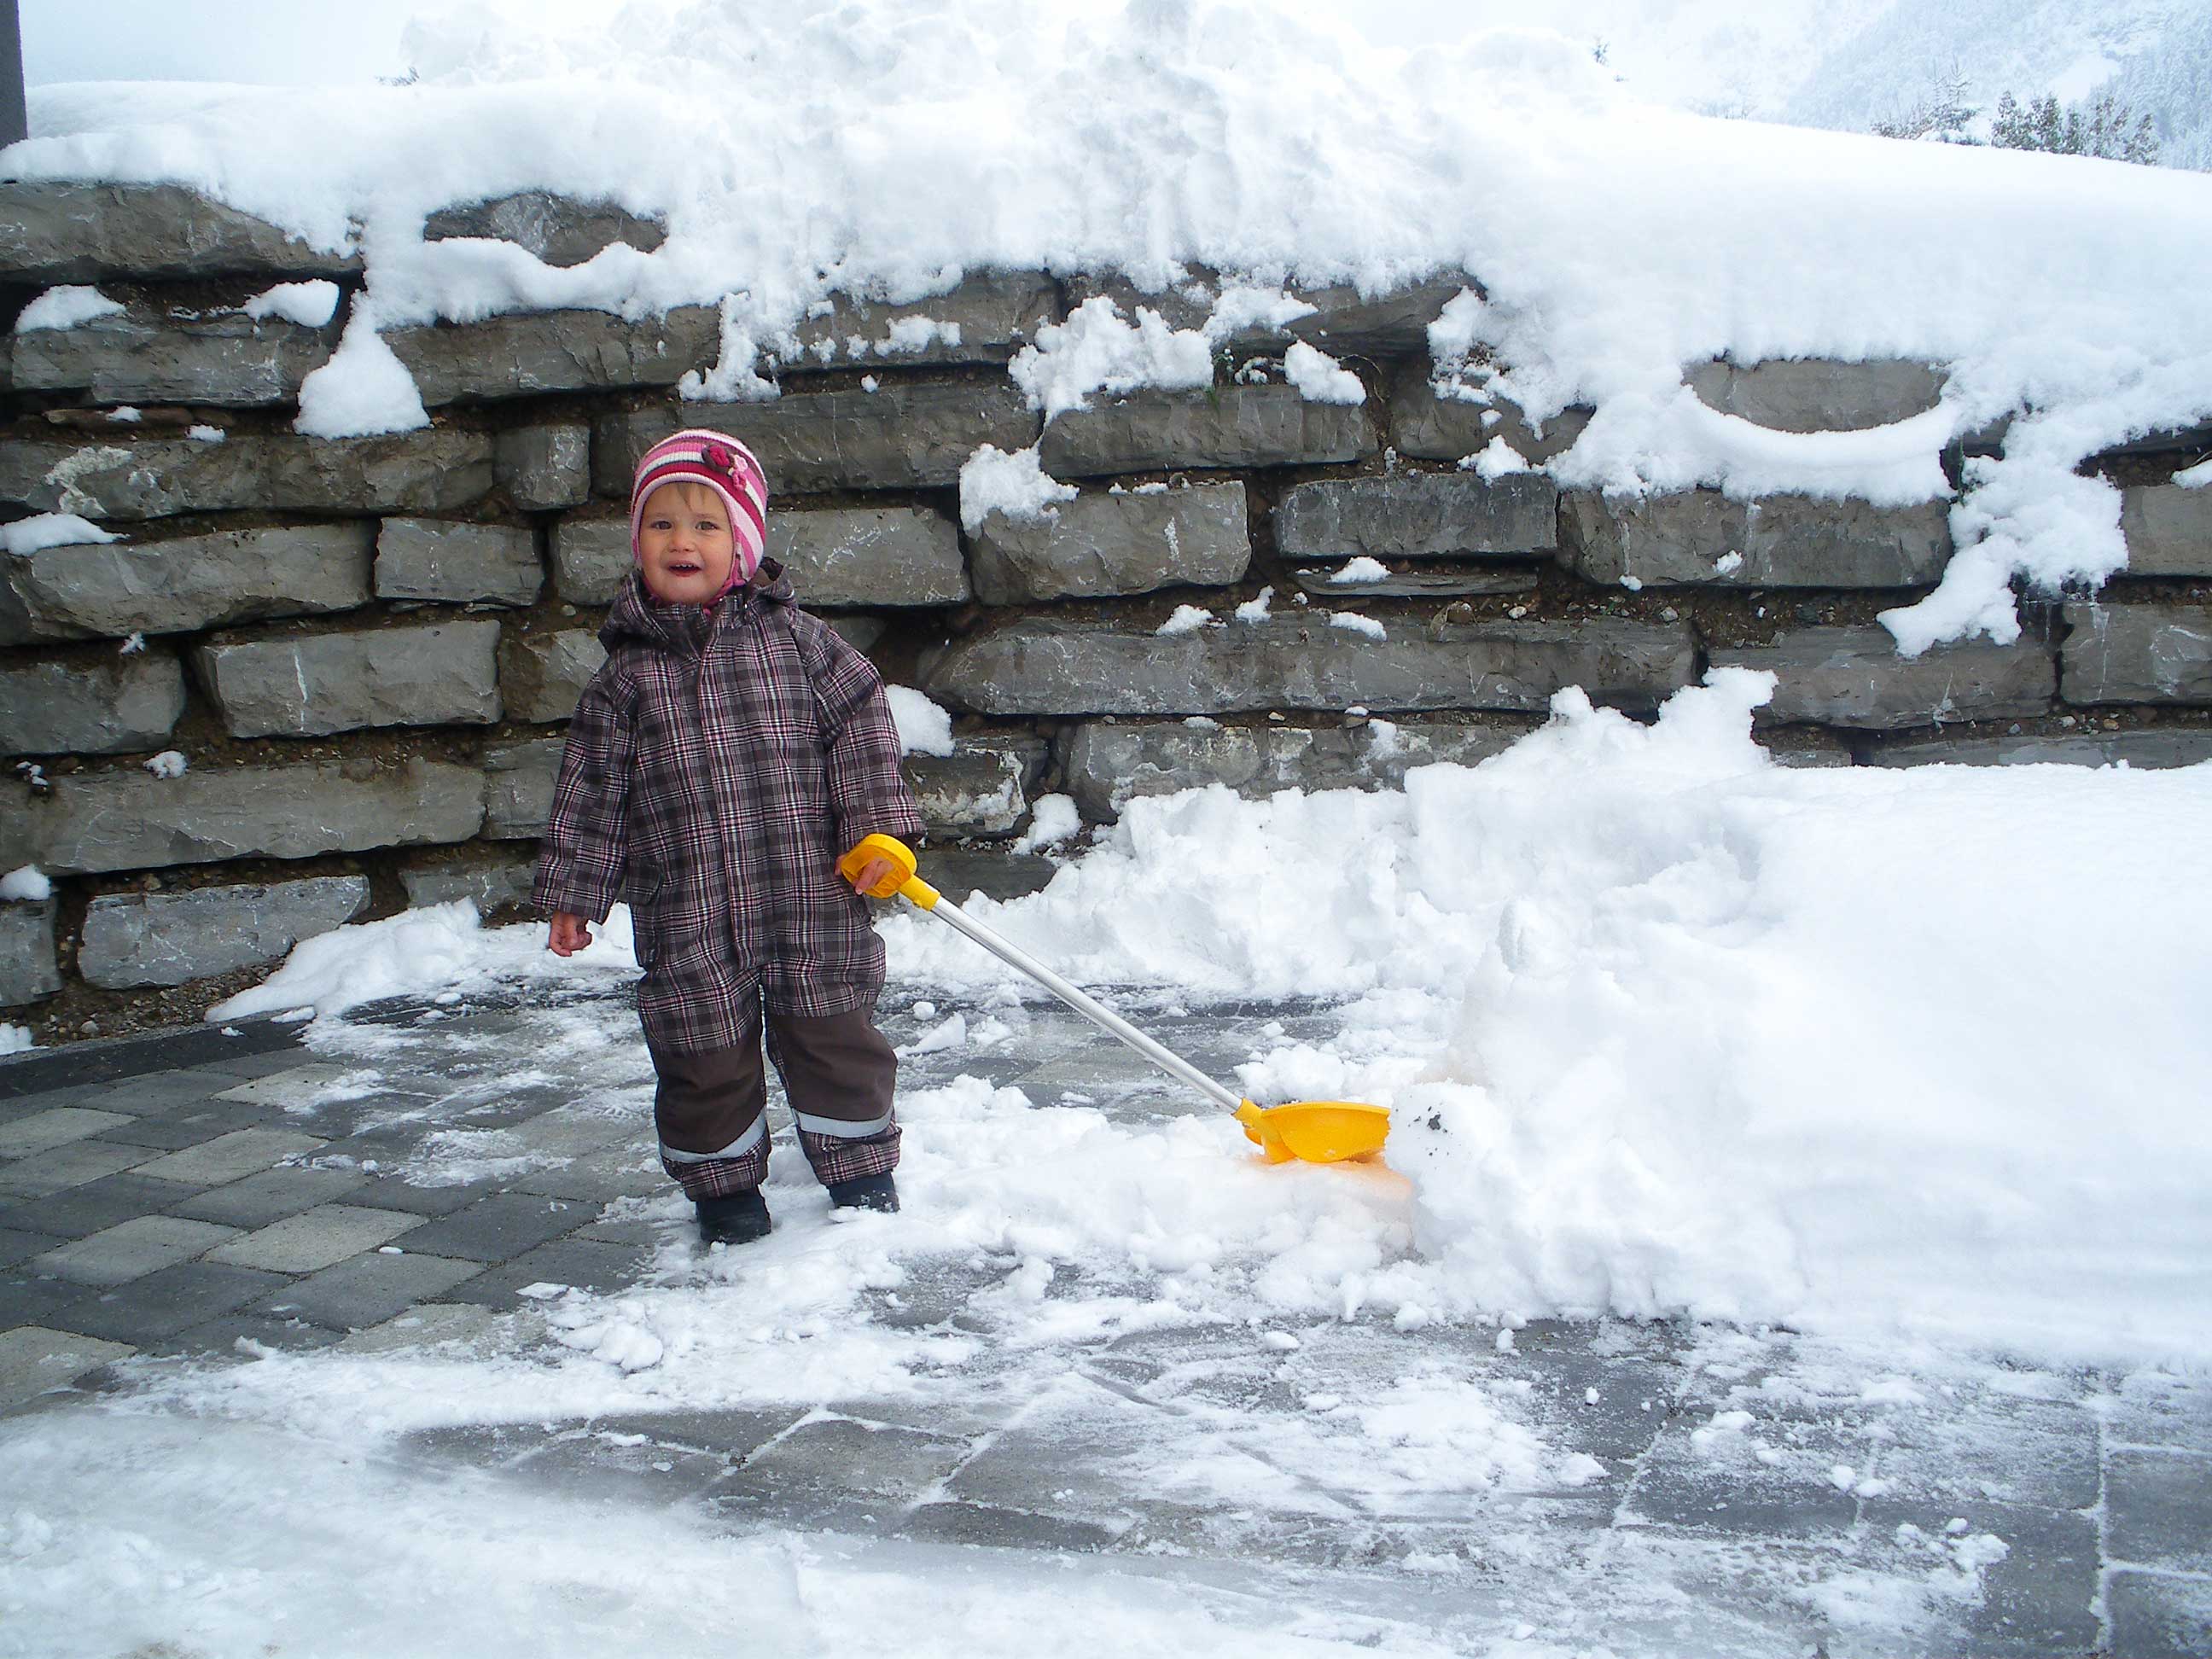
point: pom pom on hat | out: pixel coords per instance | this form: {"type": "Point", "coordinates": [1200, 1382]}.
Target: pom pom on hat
{"type": "Point", "coordinates": [725, 466]}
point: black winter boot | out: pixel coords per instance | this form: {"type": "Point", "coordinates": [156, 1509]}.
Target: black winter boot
{"type": "Point", "coordinates": [866, 1193]}
{"type": "Point", "coordinates": [738, 1220]}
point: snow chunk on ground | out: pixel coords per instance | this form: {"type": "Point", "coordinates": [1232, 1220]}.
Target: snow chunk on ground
{"type": "Point", "coordinates": [1359, 569]}
{"type": "Point", "coordinates": [993, 480]}
{"type": "Point", "coordinates": [1094, 351]}
{"type": "Point", "coordinates": [65, 308]}
{"type": "Point", "coordinates": [1053, 819]}
{"type": "Point", "coordinates": [311, 305]}
{"type": "Point", "coordinates": [166, 764]}
{"type": "Point", "coordinates": [1188, 619]}
{"type": "Point", "coordinates": [1320, 377]}
{"type": "Point", "coordinates": [924, 727]}
{"type": "Point", "coordinates": [2195, 477]}
{"type": "Point", "coordinates": [16, 1039]}
{"type": "Point", "coordinates": [364, 389]}
{"type": "Point", "coordinates": [1352, 622]}
{"type": "Point", "coordinates": [45, 530]}
{"type": "Point", "coordinates": [1254, 610]}
{"type": "Point", "coordinates": [26, 885]}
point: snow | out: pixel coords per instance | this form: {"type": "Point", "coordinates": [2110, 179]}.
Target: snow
{"type": "Point", "coordinates": [1359, 569]}
{"type": "Point", "coordinates": [363, 388]}
{"type": "Point", "coordinates": [2195, 477]}
{"type": "Point", "coordinates": [207, 434]}
{"type": "Point", "coordinates": [1053, 819]}
{"type": "Point", "coordinates": [1096, 351]}
{"type": "Point", "coordinates": [1254, 610]}
{"type": "Point", "coordinates": [924, 727]}
{"type": "Point", "coordinates": [16, 1039]}
{"type": "Point", "coordinates": [311, 305]}
{"type": "Point", "coordinates": [26, 885]}
{"type": "Point", "coordinates": [1320, 377]}
{"type": "Point", "coordinates": [1351, 622]}
{"type": "Point", "coordinates": [1015, 485]}
{"type": "Point", "coordinates": [1186, 619]}
{"type": "Point", "coordinates": [1495, 461]}
{"type": "Point", "coordinates": [167, 764]}
{"type": "Point", "coordinates": [66, 307]}
{"type": "Point", "coordinates": [45, 530]}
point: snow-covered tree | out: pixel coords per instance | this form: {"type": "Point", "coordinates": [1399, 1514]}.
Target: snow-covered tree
{"type": "Point", "coordinates": [2107, 126]}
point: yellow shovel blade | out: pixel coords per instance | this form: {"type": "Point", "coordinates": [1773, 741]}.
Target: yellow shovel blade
{"type": "Point", "coordinates": [1316, 1131]}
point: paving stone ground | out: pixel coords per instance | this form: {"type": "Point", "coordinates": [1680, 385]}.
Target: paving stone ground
{"type": "Point", "coordinates": [198, 1194]}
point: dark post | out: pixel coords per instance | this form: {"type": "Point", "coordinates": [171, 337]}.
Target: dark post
{"type": "Point", "coordinates": [14, 120]}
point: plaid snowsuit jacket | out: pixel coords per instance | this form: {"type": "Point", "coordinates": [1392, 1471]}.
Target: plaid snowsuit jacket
{"type": "Point", "coordinates": [717, 767]}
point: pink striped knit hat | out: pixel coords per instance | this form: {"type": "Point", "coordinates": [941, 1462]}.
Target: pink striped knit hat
{"type": "Point", "coordinates": [725, 466]}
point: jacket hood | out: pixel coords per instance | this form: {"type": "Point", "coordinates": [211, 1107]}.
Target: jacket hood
{"type": "Point", "coordinates": [636, 616]}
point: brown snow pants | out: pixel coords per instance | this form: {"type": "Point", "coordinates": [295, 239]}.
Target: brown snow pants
{"type": "Point", "coordinates": [838, 1071]}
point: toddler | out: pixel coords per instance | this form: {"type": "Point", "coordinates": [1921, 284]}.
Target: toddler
{"type": "Point", "coordinates": [730, 748]}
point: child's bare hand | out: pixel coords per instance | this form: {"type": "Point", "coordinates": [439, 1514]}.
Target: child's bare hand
{"type": "Point", "coordinates": [569, 934]}
{"type": "Point", "coordinates": [871, 874]}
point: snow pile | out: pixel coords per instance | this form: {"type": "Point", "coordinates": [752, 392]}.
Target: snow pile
{"type": "Point", "coordinates": [1320, 377]}
{"type": "Point", "coordinates": [311, 305]}
{"type": "Point", "coordinates": [1185, 619]}
{"type": "Point", "coordinates": [1169, 134]}
{"type": "Point", "coordinates": [44, 530]}
{"type": "Point", "coordinates": [924, 727]}
{"type": "Point", "coordinates": [27, 886]}
{"type": "Point", "coordinates": [65, 308]}
{"type": "Point", "coordinates": [1015, 485]}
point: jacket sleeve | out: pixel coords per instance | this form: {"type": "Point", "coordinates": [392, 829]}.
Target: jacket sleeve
{"type": "Point", "coordinates": [866, 791]}
{"type": "Point", "coordinates": [585, 846]}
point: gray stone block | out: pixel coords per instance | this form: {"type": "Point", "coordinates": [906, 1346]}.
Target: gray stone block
{"type": "Point", "coordinates": [525, 354]}
{"type": "Point", "coordinates": [592, 558]}
{"type": "Point", "coordinates": [489, 886]}
{"type": "Point", "coordinates": [1450, 582]}
{"type": "Point", "coordinates": [367, 1290]}
{"type": "Point", "coordinates": [545, 466]}
{"type": "Point", "coordinates": [146, 355]}
{"type": "Point", "coordinates": [1819, 394]}
{"type": "Point", "coordinates": [34, 1359]}
{"type": "Point", "coordinates": [436, 470]}
{"type": "Point", "coordinates": [456, 562]}
{"type": "Point", "coordinates": [258, 1199]}
{"type": "Point", "coordinates": [233, 1156]}
{"type": "Point", "coordinates": [519, 788]}
{"type": "Point", "coordinates": [1236, 426]}
{"type": "Point", "coordinates": [2159, 653]}
{"type": "Point", "coordinates": [99, 821]}
{"type": "Point", "coordinates": [2155, 1615]}
{"type": "Point", "coordinates": [132, 1248]}
{"type": "Point", "coordinates": [909, 437]}
{"type": "Point", "coordinates": [560, 230]}
{"type": "Point", "coordinates": [504, 1225]}
{"type": "Point", "coordinates": [28, 969]}
{"type": "Point", "coordinates": [446, 674]}
{"type": "Point", "coordinates": [2152, 750]}
{"type": "Point", "coordinates": [57, 1125]}
{"type": "Point", "coordinates": [542, 675]}
{"type": "Point", "coordinates": [2155, 1502]}
{"type": "Point", "coordinates": [1854, 677]}
{"type": "Point", "coordinates": [1701, 537]}
{"type": "Point", "coordinates": [124, 706]}
{"type": "Point", "coordinates": [84, 1209]}
{"type": "Point", "coordinates": [186, 583]}
{"type": "Point", "coordinates": [71, 1165]}
{"type": "Point", "coordinates": [165, 1302]}
{"type": "Point", "coordinates": [1050, 666]}
{"type": "Point", "coordinates": [168, 938]}
{"type": "Point", "coordinates": [958, 871]}
{"type": "Point", "coordinates": [981, 789]}
{"type": "Point", "coordinates": [1419, 515]}
{"type": "Point", "coordinates": [1106, 543]}
{"type": "Point", "coordinates": [2168, 530]}
{"type": "Point", "coordinates": [51, 232]}
{"type": "Point", "coordinates": [868, 555]}
{"type": "Point", "coordinates": [994, 314]}
{"type": "Point", "coordinates": [1432, 427]}
{"type": "Point", "coordinates": [1392, 324]}
{"type": "Point", "coordinates": [1107, 765]}
{"type": "Point", "coordinates": [314, 1239]}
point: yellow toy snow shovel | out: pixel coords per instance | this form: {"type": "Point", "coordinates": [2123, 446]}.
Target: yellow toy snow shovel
{"type": "Point", "coordinates": [1317, 1131]}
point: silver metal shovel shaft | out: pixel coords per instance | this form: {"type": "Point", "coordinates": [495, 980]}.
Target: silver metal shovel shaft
{"type": "Point", "coordinates": [1089, 1007]}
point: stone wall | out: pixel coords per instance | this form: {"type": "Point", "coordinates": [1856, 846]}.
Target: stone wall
{"type": "Point", "coordinates": [364, 650]}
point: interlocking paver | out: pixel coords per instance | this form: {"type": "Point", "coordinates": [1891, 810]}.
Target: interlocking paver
{"type": "Point", "coordinates": [621, 1171]}
{"type": "Point", "coordinates": [190, 1125]}
{"type": "Point", "coordinates": [144, 1244]}
{"type": "Point", "coordinates": [388, 1191]}
{"type": "Point", "coordinates": [2157, 1617]}
{"type": "Point", "coordinates": [242, 1333]}
{"type": "Point", "coordinates": [76, 1212]}
{"type": "Point", "coordinates": [163, 1303]}
{"type": "Point", "coordinates": [315, 1239]}
{"type": "Point", "coordinates": [17, 1245]}
{"type": "Point", "coordinates": [584, 1264]}
{"type": "Point", "coordinates": [157, 1092]}
{"type": "Point", "coordinates": [425, 1325]}
{"type": "Point", "coordinates": [41, 1131]}
{"type": "Point", "coordinates": [232, 1157]}
{"type": "Point", "coordinates": [367, 1290]}
{"type": "Point", "coordinates": [2154, 1505]}
{"type": "Point", "coordinates": [34, 1299]}
{"type": "Point", "coordinates": [70, 1165]}
{"type": "Point", "coordinates": [270, 1196]}
{"type": "Point", "coordinates": [33, 1359]}
{"type": "Point", "coordinates": [502, 1225]}
{"type": "Point", "coordinates": [293, 1087]}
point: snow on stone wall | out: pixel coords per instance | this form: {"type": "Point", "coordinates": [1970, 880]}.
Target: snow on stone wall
{"type": "Point", "coordinates": [364, 647]}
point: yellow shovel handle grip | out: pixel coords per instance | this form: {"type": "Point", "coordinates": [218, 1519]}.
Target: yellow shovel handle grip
{"type": "Point", "coordinates": [902, 881]}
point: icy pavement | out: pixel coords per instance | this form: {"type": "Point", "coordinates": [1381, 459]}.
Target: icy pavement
{"type": "Point", "coordinates": [412, 1304]}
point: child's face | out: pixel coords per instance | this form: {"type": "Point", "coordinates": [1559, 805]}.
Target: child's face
{"type": "Point", "coordinates": [683, 544]}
